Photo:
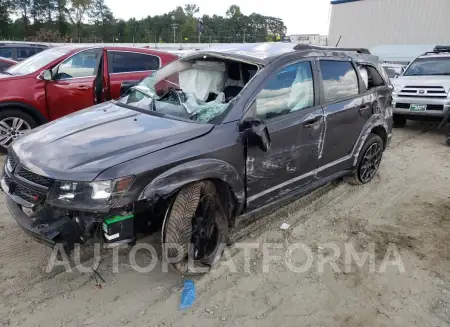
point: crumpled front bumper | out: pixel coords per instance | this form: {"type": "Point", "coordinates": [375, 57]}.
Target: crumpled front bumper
{"type": "Point", "coordinates": [63, 229]}
{"type": "Point", "coordinates": [45, 234]}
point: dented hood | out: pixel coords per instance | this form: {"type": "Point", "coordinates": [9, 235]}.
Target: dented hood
{"type": "Point", "coordinates": [82, 145]}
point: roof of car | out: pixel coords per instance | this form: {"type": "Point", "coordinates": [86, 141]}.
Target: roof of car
{"type": "Point", "coordinates": [261, 53]}
{"type": "Point", "coordinates": [436, 55]}
{"type": "Point", "coordinates": [265, 53]}
{"type": "Point", "coordinates": [74, 48]}
{"type": "Point", "coordinates": [17, 44]}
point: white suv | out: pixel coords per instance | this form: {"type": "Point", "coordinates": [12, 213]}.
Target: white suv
{"type": "Point", "coordinates": [422, 91]}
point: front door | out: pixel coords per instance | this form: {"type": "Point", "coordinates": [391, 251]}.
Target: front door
{"type": "Point", "coordinates": [72, 86]}
{"type": "Point", "coordinates": [287, 105]}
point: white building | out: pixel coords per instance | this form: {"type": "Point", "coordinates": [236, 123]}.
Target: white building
{"type": "Point", "coordinates": [368, 23]}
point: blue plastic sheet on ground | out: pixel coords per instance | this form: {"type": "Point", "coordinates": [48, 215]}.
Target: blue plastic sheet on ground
{"type": "Point", "coordinates": [188, 295]}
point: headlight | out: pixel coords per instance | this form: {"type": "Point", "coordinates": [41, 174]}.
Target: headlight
{"type": "Point", "coordinates": [97, 195]}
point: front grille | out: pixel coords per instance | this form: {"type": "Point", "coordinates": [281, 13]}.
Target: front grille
{"type": "Point", "coordinates": [415, 91]}
{"type": "Point", "coordinates": [23, 192]}
{"type": "Point", "coordinates": [34, 178]}
{"type": "Point", "coordinates": [27, 194]}
{"type": "Point", "coordinates": [7, 179]}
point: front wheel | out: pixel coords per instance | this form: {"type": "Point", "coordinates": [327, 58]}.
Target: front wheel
{"type": "Point", "coordinates": [195, 229]}
{"type": "Point", "coordinates": [368, 161]}
{"type": "Point", "coordinates": [13, 124]}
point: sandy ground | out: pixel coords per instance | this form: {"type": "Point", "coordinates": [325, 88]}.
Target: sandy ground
{"type": "Point", "coordinates": [407, 205]}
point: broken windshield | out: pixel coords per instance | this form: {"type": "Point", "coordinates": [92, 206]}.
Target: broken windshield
{"type": "Point", "coordinates": [199, 90]}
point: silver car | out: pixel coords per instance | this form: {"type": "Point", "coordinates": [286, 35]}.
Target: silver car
{"type": "Point", "coordinates": [422, 91]}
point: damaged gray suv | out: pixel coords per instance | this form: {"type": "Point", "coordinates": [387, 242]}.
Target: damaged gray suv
{"type": "Point", "coordinates": [211, 136]}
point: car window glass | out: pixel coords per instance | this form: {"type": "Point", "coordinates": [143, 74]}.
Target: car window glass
{"type": "Point", "coordinates": [4, 65]}
{"type": "Point", "coordinates": [24, 53]}
{"type": "Point", "coordinates": [124, 62]}
{"type": "Point", "coordinates": [6, 53]}
{"type": "Point", "coordinates": [291, 89]}
{"type": "Point", "coordinates": [371, 77]}
{"type": "Point", "coordinates": [82, 64]}
{"type": "Point", "coordinates": [339, 80]}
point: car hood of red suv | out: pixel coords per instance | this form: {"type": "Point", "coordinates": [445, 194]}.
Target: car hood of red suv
{"type": "Point", "coordinates": [80, 146]}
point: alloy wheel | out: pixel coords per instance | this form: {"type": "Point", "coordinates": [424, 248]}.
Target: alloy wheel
{"type": "Point", "coordinates": [204, 229]}
{"type": "Point", "coordinates": [11, 128]}
{"type": "Point", "coordinates": [370, 162]}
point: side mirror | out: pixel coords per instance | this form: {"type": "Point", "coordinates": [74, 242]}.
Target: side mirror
{"type": "Point", "coordinates": [259, 134]}
{"type": "Point", "coordinates": [47, 75]}
{"type": "Point", "coordinates": [125, 87]}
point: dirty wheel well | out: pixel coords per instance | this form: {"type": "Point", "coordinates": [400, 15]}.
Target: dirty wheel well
{"type": "Point", "coordinates": [228, 199]}
{"type": "Point", "coordinates": [224, 190]}
{"type": "Point", "coordinates": [381, 132]}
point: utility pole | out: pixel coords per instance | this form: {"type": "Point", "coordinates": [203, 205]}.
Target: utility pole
{"type": "Point", "coordinates": [200, 29]}
{"type": "Point", "coordinates": [174, 27]}
{"type": "Point", "coordinates": [243, 39]}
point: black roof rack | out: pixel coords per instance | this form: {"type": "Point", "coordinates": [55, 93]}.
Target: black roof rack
{"type": "Point", "coordinates": [439, 49]}
{"type": "Point", "coordinates": [315, 47]}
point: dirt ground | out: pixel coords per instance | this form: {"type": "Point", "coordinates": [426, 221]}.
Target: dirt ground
{"type": "Point", "coordinates": [407, 204]}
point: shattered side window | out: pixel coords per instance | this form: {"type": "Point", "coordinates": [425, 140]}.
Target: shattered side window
{"type": "Point", "coordinates": [289, 90]}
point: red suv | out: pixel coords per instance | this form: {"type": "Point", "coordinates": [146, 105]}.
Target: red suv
{"type": "Point", "coordinates": [62, 80]}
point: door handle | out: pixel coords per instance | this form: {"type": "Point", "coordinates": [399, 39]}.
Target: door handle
{"type": "Point", "coordinates": [364, 107]}
{"type": "Point", "coordinates": [83, 87]}
{"type": "Point", "coordinates": [313, 122]}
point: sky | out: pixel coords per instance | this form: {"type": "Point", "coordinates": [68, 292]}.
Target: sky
{"type": "Point", "coordinates": [299, 16]}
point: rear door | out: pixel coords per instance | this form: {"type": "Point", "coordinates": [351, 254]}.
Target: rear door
{"type": "Point", "coordinates": [346, 112]}
{"type": "Point", "coordinates": [129, 66]}
{"type": "Point", "coordinates": [72, 86]}
{"type": "Point", "coordinates": [287, 103]}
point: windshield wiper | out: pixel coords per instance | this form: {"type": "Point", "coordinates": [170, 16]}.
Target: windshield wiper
{"type": "Point", "coordinates": [6, 73]}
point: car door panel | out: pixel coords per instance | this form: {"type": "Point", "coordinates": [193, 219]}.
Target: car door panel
{"type": "Point", "coordinates": [346, 112]}
{"type": "Point", "coordinates": [67, 93]}
{"type": "Point", "coordinates": [67, 96]}
{"type": "Point", "coordinates": [129, 66]}
{"type": "Point", "coordinates": [291, 160]}
{"type": "Point", "coordinates": [295, 136]}
{"type": "Point", "coordinates": [116, 80]}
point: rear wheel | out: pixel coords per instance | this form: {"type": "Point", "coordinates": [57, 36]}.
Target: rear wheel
{"type": "Point", "coordinates": [399, 120]}
{"type": "Point", "coordinates": [369, 161]}
{"type": "Point", "coordinates": [195, 229]}
{"type": "Point", "coordinates": [13, 124]}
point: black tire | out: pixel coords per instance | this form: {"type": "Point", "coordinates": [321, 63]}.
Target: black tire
{"type": "Point", "coordinates": [399, 120]}
{"type": "Point", "coordinates": [9, 114]}
{"type": "Point", "coordinates": [178, 229]}
{"type": "Point", "coordinates": [359, 176]}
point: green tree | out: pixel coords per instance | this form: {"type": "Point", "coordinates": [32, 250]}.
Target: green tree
{"type": "Point", "coordinates": [103, 19]}
{"type": "Point", "coordinates": [77, 13]}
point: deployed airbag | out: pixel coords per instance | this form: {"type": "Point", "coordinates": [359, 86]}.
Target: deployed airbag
{"type": "Point", "coordinates": [205, 77]}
